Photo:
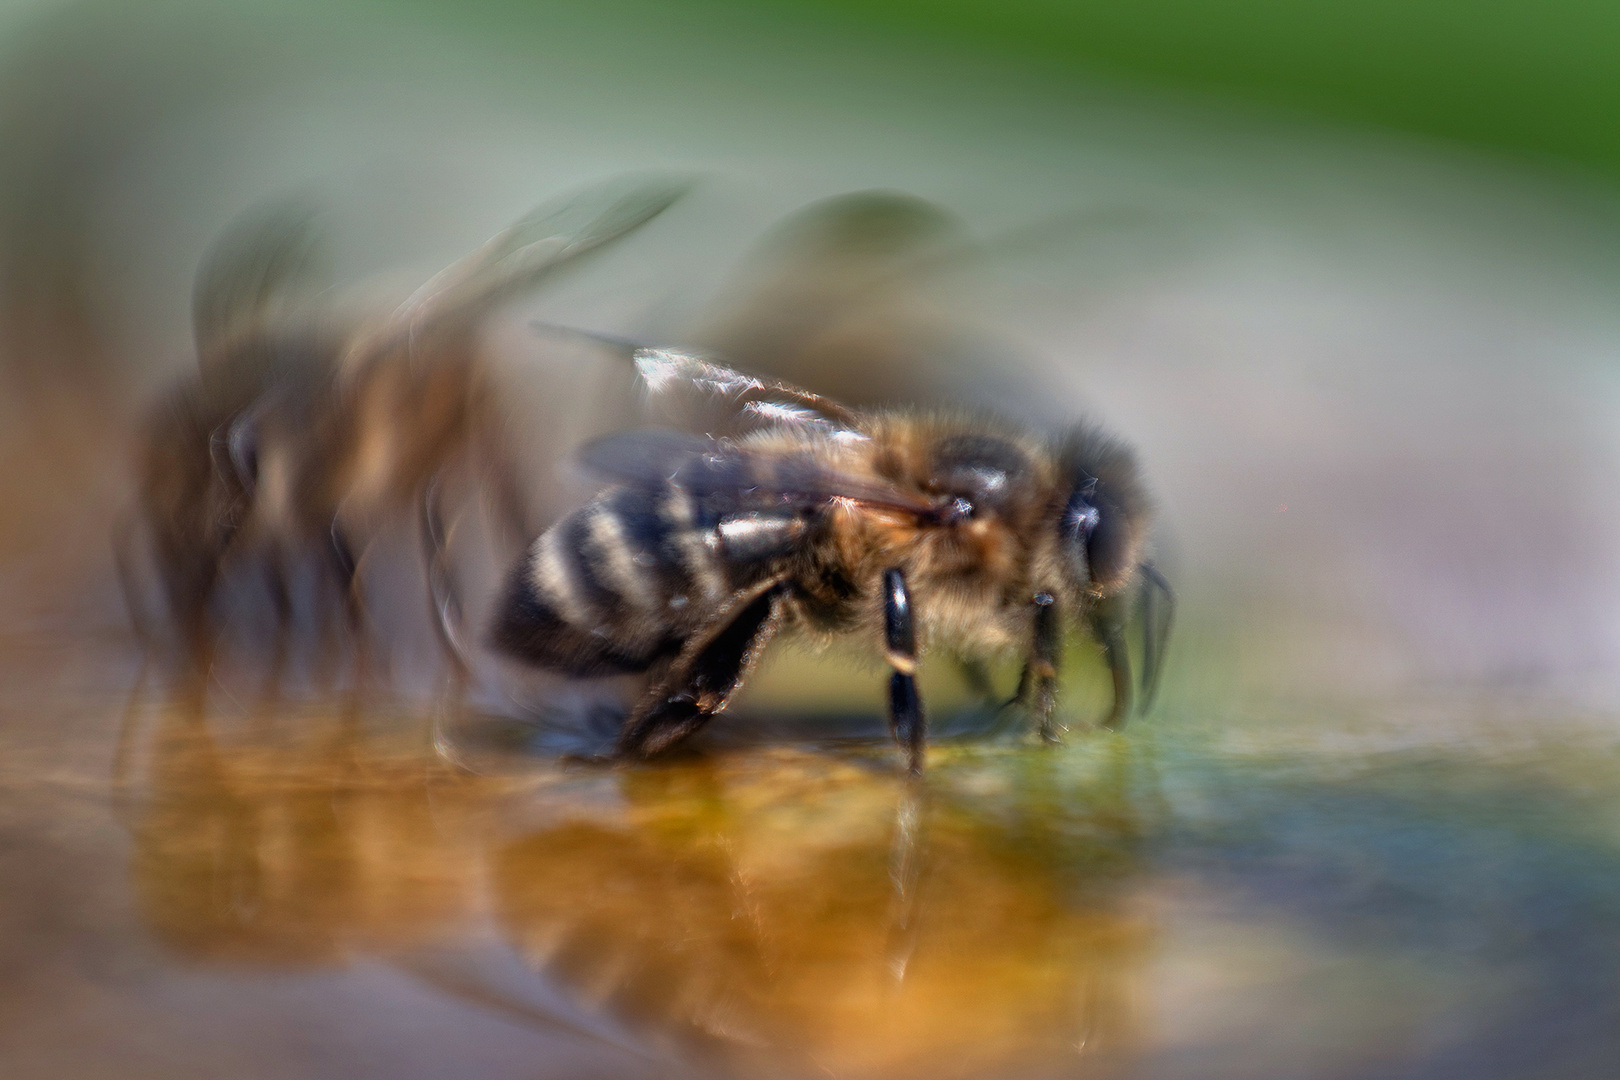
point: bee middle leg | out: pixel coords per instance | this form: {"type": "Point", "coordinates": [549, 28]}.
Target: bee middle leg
{"type": "Point", "coordinates": [906, 717]}
{"type": "Point", "coordinates": [978, 680]}
{"type": "Point", "coordinates": [1037, 686]}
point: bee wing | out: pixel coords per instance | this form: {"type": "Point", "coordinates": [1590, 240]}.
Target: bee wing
{"type": "Point", "coordinates": [838, 296]}
{"type": "Point", "coordinates": [551, 236]}
{"type": "Point", "coordinates": [266, 259]}
{"type": "Point", "coordinates": [742, 476]}
{"type": "Point", "coordinates": [643, 457]}
{"type": "Point", "coordinates": [700, 394]}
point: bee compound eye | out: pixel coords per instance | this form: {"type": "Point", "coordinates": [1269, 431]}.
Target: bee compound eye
{"type": "Point", "coordinates": [1082, 518]}
{"type": "Point", "coordinates": [1093, 527]}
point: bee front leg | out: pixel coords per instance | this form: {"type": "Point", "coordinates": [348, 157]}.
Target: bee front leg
{"type": "Point", "coordinates": [906, 717]}
{"type": "Point", "coordinates": [1107, 627]}
{"type": "Point", "coordinates": [1038, 687]}
{"type": "Point", "coordinates": [1155, 628]}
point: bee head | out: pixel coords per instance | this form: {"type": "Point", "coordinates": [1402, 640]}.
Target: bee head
{"type": "Point", "coordinates": [985, 473]}
{"type": "Point", "coordinates": [1103, 525]}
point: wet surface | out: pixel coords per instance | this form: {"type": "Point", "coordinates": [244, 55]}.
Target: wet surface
{"type": "Point", "coordinates": [1369, 832]}
{"type": "Point", "coordinates": [284, 890]}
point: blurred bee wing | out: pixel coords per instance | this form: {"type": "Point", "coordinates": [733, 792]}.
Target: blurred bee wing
{"type": "Point", "coordinates": [642, 457]}
{"type": "Point", "coordinates": [267, 259]}
{"type": "Point", "coordinates": [854, 294]}
{"type": "Point", "coordinates": [708, 467]}
{"type": "Point", "coordinates": [826, 294]}
{"type": "Point", "coordinates": [553, 235]}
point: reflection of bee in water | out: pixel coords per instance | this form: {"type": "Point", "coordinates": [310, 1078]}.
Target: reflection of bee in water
{"type": "Point", "coordinates": [778, 914]}
{"type": "Point", "coordinates": [789, 916]}
{"type": "Point", "coordinates": [952, 531]}
{"type": "Point", "coordinates": [296, 440]}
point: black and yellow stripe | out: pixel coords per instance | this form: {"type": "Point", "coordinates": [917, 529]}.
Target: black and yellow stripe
{"type": "Point", "coordinates": [625, 578]}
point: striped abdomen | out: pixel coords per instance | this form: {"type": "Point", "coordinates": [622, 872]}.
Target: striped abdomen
{"type": "Point", "coordinates": [626, 578]}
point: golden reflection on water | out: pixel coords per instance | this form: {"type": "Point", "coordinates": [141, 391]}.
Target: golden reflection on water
{"type": "Point", "coordinates": [764, 911]}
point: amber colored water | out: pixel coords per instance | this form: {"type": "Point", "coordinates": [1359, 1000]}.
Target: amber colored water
{"type": "Point", "coordinates": [229, 886]}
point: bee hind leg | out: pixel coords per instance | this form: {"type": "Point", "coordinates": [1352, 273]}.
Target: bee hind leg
{"type": "Point", "coordinates": [701, 682]}
{"type": "Point", "coordinates": [906, 717]}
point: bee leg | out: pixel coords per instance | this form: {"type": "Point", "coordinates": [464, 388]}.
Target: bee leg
{"type": "Point", "coordinates": [189, 578]}
{"type": "Point", "coordinates": [1108, 629]}
{"type": "Point", "coordinates": [275, 583]}
{"type": "Point", "coordinates": [346, 569]}
{"type": "Point", "coordinates": [704, 677]}
{"type": "Point", "coordinates": [1155, 630]}
{"type": "Point", "coordinates": [123, 541]}
{"type": "Point", "coordinates": [906, 718]}
{"type": "Point", "coordinates": [1037, 685]}
{"type": "Point", "coordinates": [444, 601]}
{"type": "Point", "coordinates": [976, 675]}
{"type": "Point", "coordinates": [1037, 688]}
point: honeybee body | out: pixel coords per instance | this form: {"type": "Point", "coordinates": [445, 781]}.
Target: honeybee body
{"type": "Point", "coordinates": [640, 568]}
{"type": "Point", "coordinates": [303, 435]}
{"type": "Point", "coordinates": [959, 533]}
{"type": "Point", "coordinates": [201, 457]}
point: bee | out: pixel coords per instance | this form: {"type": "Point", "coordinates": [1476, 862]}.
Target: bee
{"type": "Point", "coordinates": [260, 349]}
{"type": "Point", "coordinates": [912, 529]}
{"type": "Point", "coordinates": [303, 437]}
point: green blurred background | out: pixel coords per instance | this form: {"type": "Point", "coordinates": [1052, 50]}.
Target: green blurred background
{"type": "Point", "coordinates": [1533, 79]}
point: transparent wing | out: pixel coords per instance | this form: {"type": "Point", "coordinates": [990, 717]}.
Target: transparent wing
{"type": "Point", "coordinates": [643, 457]}
{"type": "Point", "coordinates": [701, 394]}
{"type": "Point", "coordinates": [550, 237]}
{"type": "Point", "coordinates": [817, 302]}
{"type": "Point", "coordinates": [735, 476]}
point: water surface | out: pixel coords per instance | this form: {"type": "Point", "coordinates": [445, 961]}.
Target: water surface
{"type": "Point", "coordinates": [309, 888]}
